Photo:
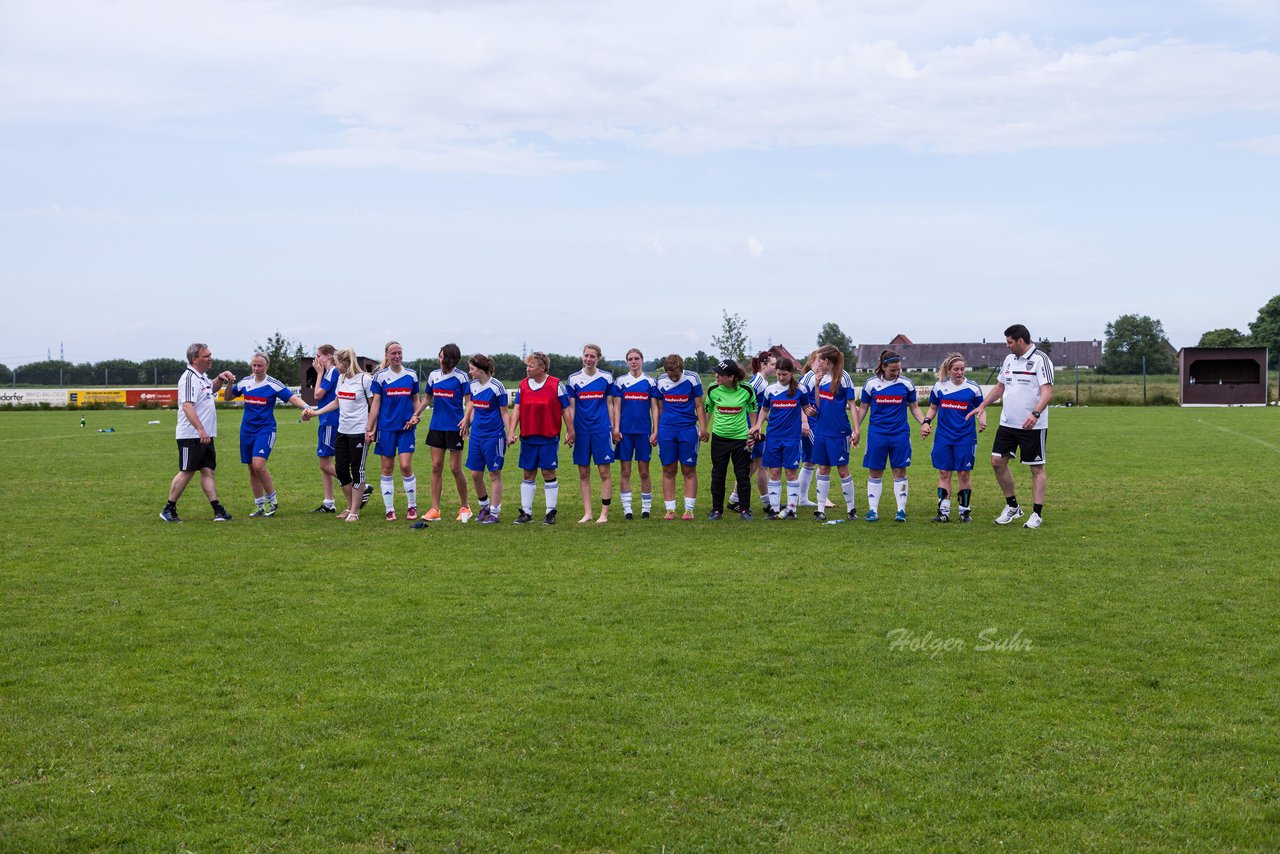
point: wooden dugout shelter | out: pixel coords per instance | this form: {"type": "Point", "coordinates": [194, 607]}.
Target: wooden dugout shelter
{"type": "Point", "coordinates": [1222, 376]}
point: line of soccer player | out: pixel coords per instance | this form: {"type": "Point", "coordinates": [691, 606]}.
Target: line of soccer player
{"type": "Point", "coordinates": [785, 428]}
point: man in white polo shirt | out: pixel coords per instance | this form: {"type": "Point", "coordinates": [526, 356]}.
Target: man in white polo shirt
{"type": "Point", "coordinates": [197, 428]}
{"type": "Point", "coordinates": [1026, 384]}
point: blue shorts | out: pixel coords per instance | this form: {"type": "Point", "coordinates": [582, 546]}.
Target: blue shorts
{"type": "Point", "coordinates": [256, 444]}
{"type": "Point", "coordinates": [592, 446]}
{"type": "Point", "coordinates": [487, 452]}
{"type": "Point", "coordinates": [538, 452]}
{"type": "Point", "coordinates": [678, 446]}
{"type": "Point", "coordinates": [757, 451]}
{"type": "Point", "coordinates": [325, 438]}
{"type": "Point", "coordinates": [781, 453]}
{"type": "Point", "coordinates": [392, 443]}
{"type": "Point", "coordinates": [634, 446]}
{"type": "Point", "coordinates": [955, 457]}
{"type": "Point", "coordinates": [897, 449]}
{"type": "Point", "coordinates": [831, 450]}
{"type": "Point", "coordinates": [806, 448]}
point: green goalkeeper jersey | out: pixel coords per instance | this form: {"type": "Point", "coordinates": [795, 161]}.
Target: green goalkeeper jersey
{"type": "Point", "coordinates": [730, 409]}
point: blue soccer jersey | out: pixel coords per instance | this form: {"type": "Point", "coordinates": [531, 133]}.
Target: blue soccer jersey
{"type": "Point", "coordinates": [783, 408]}
{"type": "Point", "coordinates": [635, 394]}
{"type": "Point", "coordinates": [590, 395]}
{"type": "Point", "coordinates": [398, 392]}
{"type": "Point", "coordinates": [447, 392]}
{"type": "Point", "coordinates": [833, 406]}
{"type": "Point", "coordinates": [954, 402]}
{"type": "Point", "coordinates": [259, 401]}
{"type": "Point", "coordinates": [328, 390]}
{"type": "Point", "coordinates": [889, 402]}
{"type": "Point", "coordinates": [487, 400]}
{"type": "Point", "coordinates": [679, 401]}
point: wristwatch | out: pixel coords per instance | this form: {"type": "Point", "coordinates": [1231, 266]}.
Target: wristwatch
{"type": "Point", "coordinates": [1035, 413]}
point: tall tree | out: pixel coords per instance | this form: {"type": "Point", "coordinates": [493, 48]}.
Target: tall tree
{"type": "Point", "coordinates": [1131, 337]}
{"type": "Point", "coordinates": [731, 343]}
{"type": "Point", "coordinates": [1224, 337]}
{"type": "Point", "coordinates": [832, 334]}
{"type": "Point", "coordinates": [1265, 331]}
{"type": "Point", "coordinates": [283, 355]}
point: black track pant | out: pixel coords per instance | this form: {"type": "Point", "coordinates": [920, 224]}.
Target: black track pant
{"type": "Point", "coordinates": [724, 451]}
{"type": "Point", "coordinates": [350, 452]}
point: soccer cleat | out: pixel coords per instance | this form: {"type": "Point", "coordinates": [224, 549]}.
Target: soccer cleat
{"type": "Point", "coordinates": [628, 516]}
{"type": "Point", "coordinates": [872, 516]}
{"type": "Point", "coordinates": [715, 516]}
{"type": "Point", "coordinates": [412, 513]}
{"type": "Point", "coordinates": [644, 514]}
{"type": "Point", "coordinates": [258, 513]}
{"type": "Point", "coordinates": [852, 515]}
{"type": "Point", "coordinates": [1008, 514]}
{"type": "Point", "coordinates": [168, 515]}
{"type": "Point", "coordinates": [671, 515]}
{"type": "Point", "coordinates": [941, 517]}
{"type": "Point", "coordinates": [325, 508]}
{"type": "Point", "coordinates": [771, 514]}
{"type": "Point", "coordinates": [364, 499]}
{"type": "Point", "coordinates": [747, 517]}
{"type": "Point", "coordinates": [464, 515]}
{"type": "Point", "coordinates": [550, 518]}
{"type": "Point", "coordinates": [432, 515]}
{"type": "Point", "coordinates": [220, 515]}
{"type": "Point", "coordinates": [1033, 521]}
{"type": "Point", "coordinates": [688, 516]}
{"type": "Point", "coordinates": [420, 524]}
{"type": "Point", "coordinates": [790, 515]}
{"type": "Point", "coordinates": [523, 519]}
{"type": "Point", "coordinates": [965, 516]}
{"type": "Point", "coordinates": [490, 519]}
{"type": "Point", "coordinates": [900, 516]}
{"type": "Point", "coordinates": [819, 515]}
{"type": "Point", "coordinates": [483, 514]}
{"type": "Point", "coordinates": [391, 515]}
{"type": "Point", "coordinates": [733, 505]}
{"type": "Point", "coordinates": [270, 509]}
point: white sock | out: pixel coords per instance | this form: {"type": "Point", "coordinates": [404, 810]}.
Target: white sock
{"type": "Point", "coordinates": [411, 490]}
{"type": "Point", "coordinates": [824, 488]}
{"type": "Point", "coordinates": [626, 501]}
{"type": "Point", "coordinates": [944, 507]}
{"type": "Point", "coordinates": [389, 492]}
{"type": "Point", "coordinates": [873, 494]}
{"type": "Point", "coordinates": [495, 509]}
{"type": "Point", "coordinates": [774, 497]}
{"type": "Point", "coordinates": [792, 493]}
{"type": "Point", "coordinates": [900, 493]}
{"type": "Point", "coordinates": [806, 477]}
{"type": "Point", "coordinates": [670, 505]}
{"type": "Point", "coordinates": [328, 502]}
{"type": "Point", "coordinates": [688, 504]}
{"type": "Point", "coordinates": [484, 502]}
{"type": "Point", "coordinates": [551, 491]}
{"type": "Point", "coordinates": [733, 497]}
{"type": "Point", "coordinates": [764, 498]}
{"type": "Point", "coordinates": [271, 498]}
{"type": "Point", "coordinates": [646, 502]}
{"type": "Point", "coordinates": [527, 490]}
{"type": "Point", "coordinates": [850, 499]}
{"type": "Point", "coordinates": [260, 500]}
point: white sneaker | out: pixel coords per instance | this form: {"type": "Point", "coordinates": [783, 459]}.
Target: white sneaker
{"type": "Point", "coordinates": [1034, 521]}
{"type": "Point", "coordinates": [1008, 514]}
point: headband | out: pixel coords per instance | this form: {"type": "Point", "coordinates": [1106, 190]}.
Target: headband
{"type": "Point", "coordinates": [890, 359]}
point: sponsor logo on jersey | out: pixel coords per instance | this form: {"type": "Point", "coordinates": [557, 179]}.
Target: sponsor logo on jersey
{"type": "Point", "coordinates": [481, 404]}
{"type": "Point", "coordinates": [729, 410]}
{"type": "Point", "coordinates": [443, 392]}
{"type": "Point", "coordinates": [779, 403]}
{"type": "Point", "coordinates": [676, 398]}
{"type": "Point", "coordinates": [590, 395]}
{"type": "Point", "coordinates": [256, 401]}
{"type": "Point", "coordinates": [635, 395]}
{"type": "Point", "coordinates": [889, 399]}
{"type": "Point", "coordinates": [826, 395]}
{"type": "Point", "coordinates": [346, 395]}
{"type": "Point", "coordinates": [398, 391]}
{"type": "Point", "coordinates": [954, 404]}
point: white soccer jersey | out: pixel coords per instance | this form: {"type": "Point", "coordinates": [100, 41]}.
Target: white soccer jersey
{"type": "Point", "coordinates": [353, 403]}
{"type": "Point", "coordinates": [195, 387]}
{"type": "Point", "coordinates": [1022, 377]}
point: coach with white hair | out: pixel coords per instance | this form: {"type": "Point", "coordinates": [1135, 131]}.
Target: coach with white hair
{"type": "Point", "coordinates": [197, 428]}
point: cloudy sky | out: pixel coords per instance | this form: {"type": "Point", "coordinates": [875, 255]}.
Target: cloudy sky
{"type": "Point", "coordinates": [545, 172]}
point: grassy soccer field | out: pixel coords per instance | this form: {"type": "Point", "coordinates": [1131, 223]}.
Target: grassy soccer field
{"type": "Point", "coordinates": [1109, 681]}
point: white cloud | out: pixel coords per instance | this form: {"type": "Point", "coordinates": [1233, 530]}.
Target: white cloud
{"type": "Point", "coordinates": [755, 248]}
{"type": "Point", "coordinates": [465, 87]}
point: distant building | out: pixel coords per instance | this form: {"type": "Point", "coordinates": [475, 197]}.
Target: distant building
{"type": "Point", "coordinates": [916, 357]}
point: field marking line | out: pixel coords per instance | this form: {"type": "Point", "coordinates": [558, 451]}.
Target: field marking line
{"type": "Point", "coordinates": [1263, 442]}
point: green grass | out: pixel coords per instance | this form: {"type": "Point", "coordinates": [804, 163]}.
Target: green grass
{"type": "Point", "coordinates": [301, 684]}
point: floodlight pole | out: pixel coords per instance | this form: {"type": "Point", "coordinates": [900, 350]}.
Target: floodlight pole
{"type": "Point", "coordinates": [1144, 380]}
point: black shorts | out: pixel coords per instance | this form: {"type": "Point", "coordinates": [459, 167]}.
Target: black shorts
{"type": "Point", "coordinates": [450, 440]}
{"type": "Point", "coordinates": [1031, 445]}
{"type": "Point", "coordinates": [193, 456]}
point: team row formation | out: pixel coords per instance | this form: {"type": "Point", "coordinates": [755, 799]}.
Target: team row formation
{"type": "Point", "coordinates": [780, 423]}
